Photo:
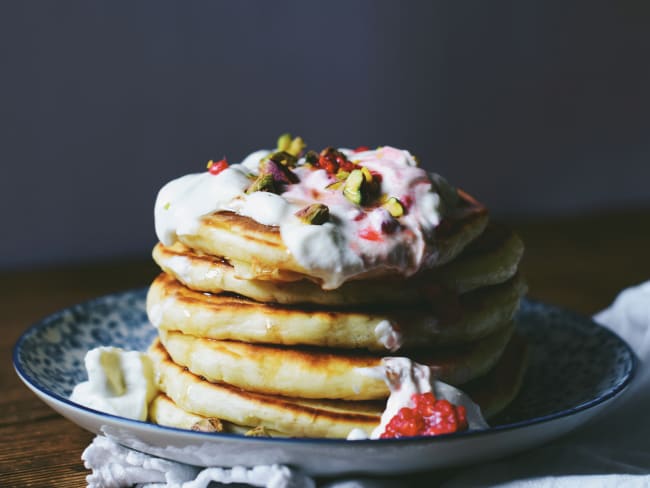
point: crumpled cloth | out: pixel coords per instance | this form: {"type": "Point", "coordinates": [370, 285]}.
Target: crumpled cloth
{"type": "Point", "coordinates": [613, 449]}
{"type": "Point", "coordinates": [115, 466]}
{"type": "Point", "coordinates": [610, 451]}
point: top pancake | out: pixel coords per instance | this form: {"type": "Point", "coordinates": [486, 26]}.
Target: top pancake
{"type": "Point", "coordinates": [490, 259]}
{"type": "Point", "coordinates": [241, 239]}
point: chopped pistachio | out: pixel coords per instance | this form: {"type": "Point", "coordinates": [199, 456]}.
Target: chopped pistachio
{"type": "Point", "coordinates": [314, 214]}
{"type": "Point", "coordinates": [284, 141]}
{"type": "Point", "coordinates": [264, 182]}
{"type": "Point", "coordinates": [311, 157]}
{"type": "Point", "coordinates": [259, 431]}
{"type": "Point", "coordinates": [280, 173]}
{"type": "Point", "coordinates": [284, 158]}
{"type": "Point", "coordinates": [353, 187]}
{"type": "Point", "coordinates": [342, 175]}
{"type": "Point", "coordinates": [296, 146]}
{"type": "Point", "coordinates": [210, 163]}
{"type": "Point", "coordinates": [167, 205]}
{"type": "Point", "coordinates": [293, 146]}
{"type": "Point", "coordinates": [367, 175]}
{"type": "Point", "coordinates": [336, 185]}
{"type": "Point", "coordinates": [394, 207]}
{"type": "Point", "coordinates": [211, 424]}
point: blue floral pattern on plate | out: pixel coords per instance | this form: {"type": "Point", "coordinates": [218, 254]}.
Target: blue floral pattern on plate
{"type": "Point", "coordinates": [575, 368]}
{"type": "Point", "coordinates": [574, 362]}
{"type": "Point", "coordinates": [51, 353]}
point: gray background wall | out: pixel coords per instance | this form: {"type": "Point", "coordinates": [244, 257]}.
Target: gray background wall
{"type": "Point", "coordinates": [535, 107]}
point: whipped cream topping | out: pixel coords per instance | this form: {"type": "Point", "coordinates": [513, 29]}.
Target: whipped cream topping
{"type": "Point", "coordinates": [388, 335]}
{"type": "Point", "coordinates": [119, 382]}
{"type": "Point", "coordinates": [406, 378]}
{"type": "Point", "coordinates": [340, 248]}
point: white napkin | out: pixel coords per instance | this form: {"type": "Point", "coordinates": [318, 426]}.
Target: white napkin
{"type": "Point", "coordinates": [613, 450]}
{"type": "Point", "coordinates": [115, 466]}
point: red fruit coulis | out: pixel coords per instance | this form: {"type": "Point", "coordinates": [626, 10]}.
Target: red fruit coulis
{"type": "Point", "coordinates": [428, 416]}
{"type": "Point", "coordinates": [370, 234]}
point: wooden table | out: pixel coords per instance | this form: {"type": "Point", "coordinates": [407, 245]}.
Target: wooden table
{"type": "Point", "coordinates": [579, 263]}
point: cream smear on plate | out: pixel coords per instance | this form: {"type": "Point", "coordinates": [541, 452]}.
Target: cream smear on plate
{"type": "Point", "coordinates": [119, 382]}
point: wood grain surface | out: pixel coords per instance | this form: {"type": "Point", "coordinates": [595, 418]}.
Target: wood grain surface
{"type": "Point", "coordinates": [579, 263]}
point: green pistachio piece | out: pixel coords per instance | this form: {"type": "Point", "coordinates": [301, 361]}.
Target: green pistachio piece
{"type": "Point", "coordinates": [371, 185]}
{"type": "Point", "coordinates": [264, 182]}
{"type": "Point", "coordinates": [296, 146]}
{"type": "Point", "coordinates": [284, 141]}
{"type": "Point", "coordinates": [293, 146]}
{"type": "Point", "coordinates": [353, 186]}
{"type": "Point", "coordinates": [311, 157]}
{"type": "Point", "coordinates": [394, 207]}
{"type": "Point", "coordinates": [259, 431]}
{"type": "Point", "coordinates": [314, 214]}
{"type": "Point", "coordinates": [367, 175]}
{"type": "Point", "coordinates": [342, 175]}
{"type": "Point", "coordinates": [337, 185]}
{"type": "Point", "coordinates": [211, 424]}
{"type": "Point", "coordinates": [282, 175]}
{"type": "Point", "coordinates": [284, 158]}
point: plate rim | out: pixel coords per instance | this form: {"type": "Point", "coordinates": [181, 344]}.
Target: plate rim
{"type": "Point", "coordinates": [37, 387]}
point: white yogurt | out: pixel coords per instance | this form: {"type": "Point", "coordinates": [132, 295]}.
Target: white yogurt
{"type": "Point", "coordinates": [119, 382]}
{"type": "Point", "coordinates": [406, 378]}
{"type": "Point", "coordinates": [338, 250]}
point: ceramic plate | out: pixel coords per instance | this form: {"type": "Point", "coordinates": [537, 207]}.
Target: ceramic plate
{"type": "Point", "coordinates": [576, 368]}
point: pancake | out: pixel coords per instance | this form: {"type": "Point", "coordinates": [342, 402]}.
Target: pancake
{"type": "Point", "coordinates": [240, 238]}
{"type": "Point", "coordinates": [493, 392]}
{"type": "Point", "coordinates": [317, 372]}
{"type": "Point", "coordinates": [500, 386]}
{"type": "Point", "coordinates": [163, 411]}
{"type": "Point", "coordinates": [296, 417]}
{"type": "Point", "coordinates": [491, 259]}
{"type": "Point", "coordinates": [447, 320]}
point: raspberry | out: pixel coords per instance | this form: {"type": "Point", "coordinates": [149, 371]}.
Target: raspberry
{"type": "Point", "coordinates": [332, 160]}
{"type": "Point", "coordinates": [370, 234]}
{"type": "Point", "coordinates": [217, 167]}
{"type": "Point", "coordinates": [427, 417]}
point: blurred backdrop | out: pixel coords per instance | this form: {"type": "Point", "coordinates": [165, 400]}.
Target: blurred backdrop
{"type": "Point", "coordinates": [536, 108]}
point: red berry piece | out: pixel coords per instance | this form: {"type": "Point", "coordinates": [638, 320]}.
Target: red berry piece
{"type": "Point", "coordinates": [428, 416]}
{"type": "Point", "coordinates": [217, 167]}
{"type": "Point", "coordinates": [370, 234]}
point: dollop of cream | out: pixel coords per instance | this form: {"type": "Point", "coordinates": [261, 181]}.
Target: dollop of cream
{"type": "Point", "coordinates": [183, 201]}
{"type": "Point", "coordinates": [406, 378]}
{"type": "Point", "coordinates": [388, 335]}
{"type": "Point", "coordinates": [339, 249]}
{"type": "Point", "coordinates": [119, 383]}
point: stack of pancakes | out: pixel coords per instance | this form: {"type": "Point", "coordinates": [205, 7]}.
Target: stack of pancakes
{"type": "Point", "coordinates": [248, 337]}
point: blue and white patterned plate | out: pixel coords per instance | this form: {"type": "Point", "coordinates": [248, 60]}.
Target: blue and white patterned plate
{"type": "Point", "coordinates": [576, 368]}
